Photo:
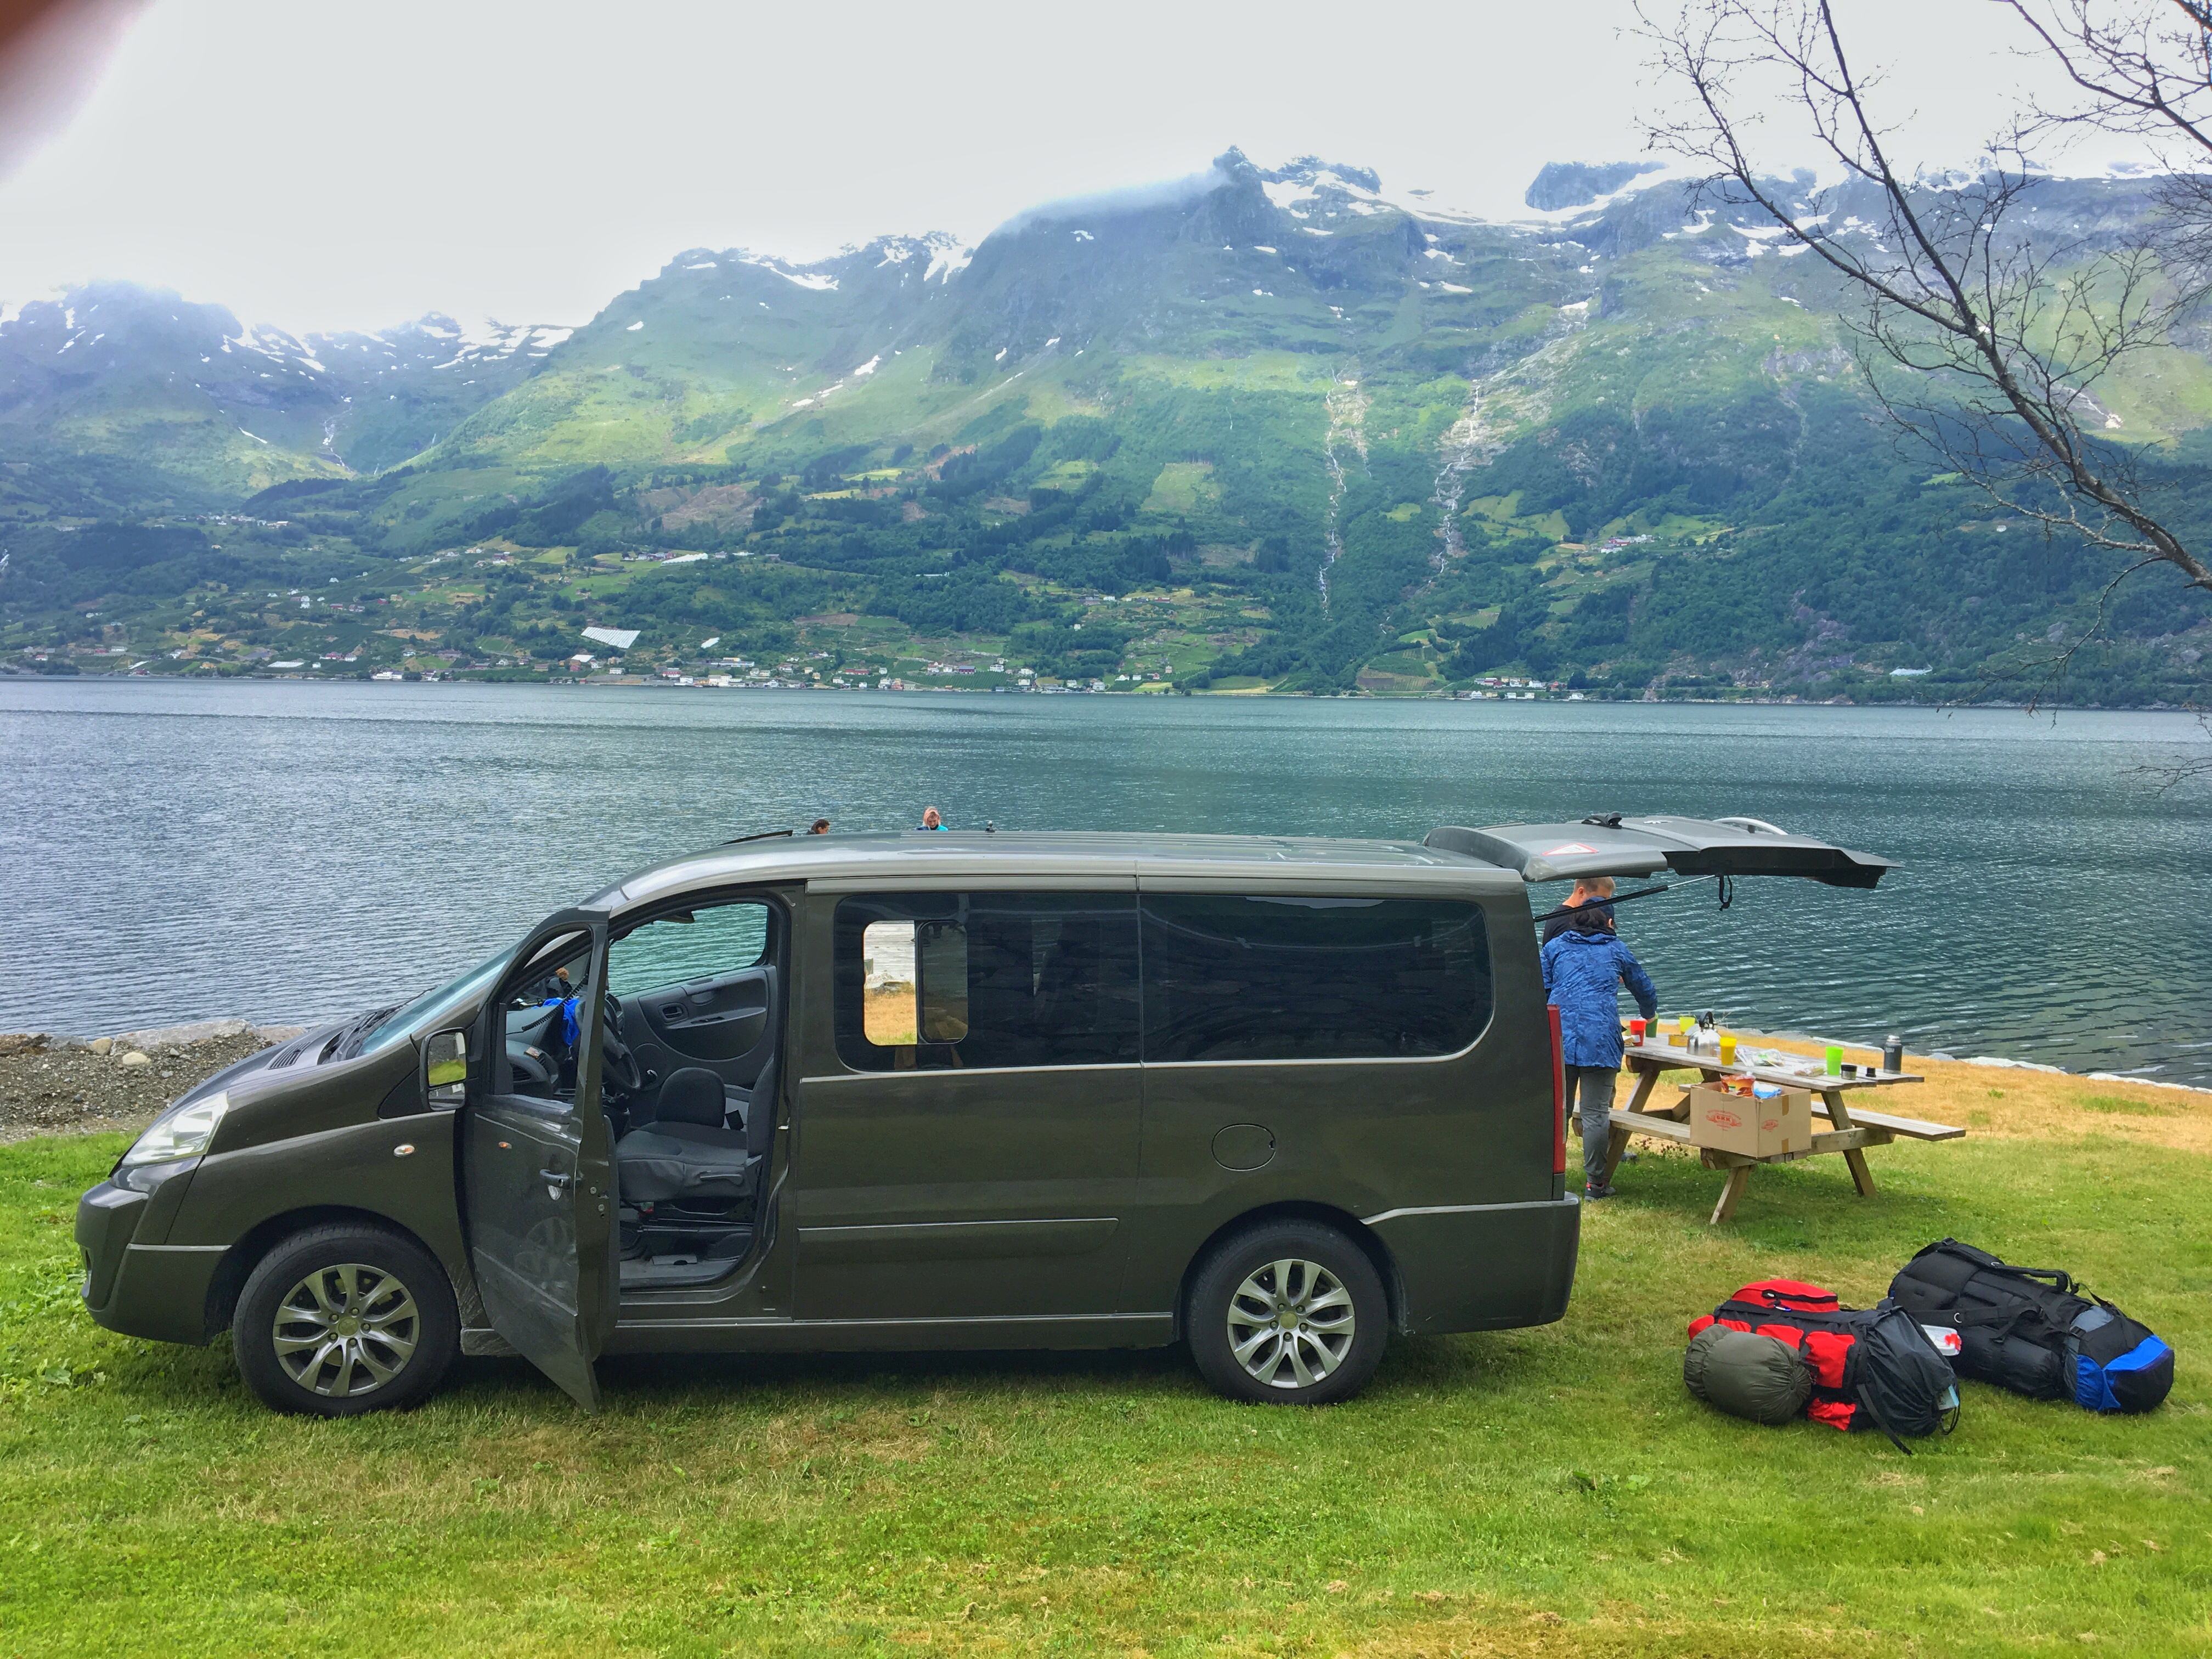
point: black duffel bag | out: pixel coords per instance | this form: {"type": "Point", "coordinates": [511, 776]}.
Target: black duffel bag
{"type": "Point", "coordinates": [2030, 1330]}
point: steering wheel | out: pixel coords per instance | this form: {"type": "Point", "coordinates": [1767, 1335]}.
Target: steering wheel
{"type": "Point", "coordinates": [617, 1065]}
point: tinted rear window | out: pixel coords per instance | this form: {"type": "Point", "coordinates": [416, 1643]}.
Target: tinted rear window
{"type": "Point", "coordinates": [944, 980]}
{"type": "Point", "coordinates": [1311, 978]}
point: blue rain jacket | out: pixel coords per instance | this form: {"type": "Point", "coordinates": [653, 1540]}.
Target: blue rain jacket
{"type": "Point", "coordinates": [1583, 973]}
{"type": "Point", "coordinates": [569, 1029]}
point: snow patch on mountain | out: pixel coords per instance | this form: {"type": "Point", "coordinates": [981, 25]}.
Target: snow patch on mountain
{"type": "Point", "coordinates": [801, 276]}
{"type": "Point", "coordinates": [948, 262]}
{"type": "Point", "coordinates": [1310, 188]}
{"type": "Point", "coordinates": [1650, 175]}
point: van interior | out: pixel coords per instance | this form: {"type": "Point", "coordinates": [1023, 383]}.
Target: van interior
{"type": "Point", "coordinates": [693, 1008]}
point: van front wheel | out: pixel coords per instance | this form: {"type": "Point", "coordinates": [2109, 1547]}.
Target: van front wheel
{"type": "Point", "coordinates": [1287, 1313]}
{"type": "Point", "coordinates": [337, 1321]}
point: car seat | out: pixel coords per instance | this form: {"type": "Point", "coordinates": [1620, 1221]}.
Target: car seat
{"type": "Point", "coordinates": [689, 1154]}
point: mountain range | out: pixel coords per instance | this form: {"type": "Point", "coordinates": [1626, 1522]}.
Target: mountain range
{"type": "Point", "coordinates": [1258, 429]}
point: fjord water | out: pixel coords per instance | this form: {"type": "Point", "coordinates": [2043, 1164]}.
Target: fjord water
{"type": "Point", "coordinates": [172, 851]}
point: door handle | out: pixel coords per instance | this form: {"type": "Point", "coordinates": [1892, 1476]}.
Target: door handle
{"type": "Point", "coordinates": [556, 1180]}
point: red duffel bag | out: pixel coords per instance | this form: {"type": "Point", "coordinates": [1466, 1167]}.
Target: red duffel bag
{"type": "Point", "coordinates": [1872, 1367]}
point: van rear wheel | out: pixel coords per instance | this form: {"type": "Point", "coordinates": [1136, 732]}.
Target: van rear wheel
{"type": "Point", "coordinates": [340, 1320]}
{"type": "Point", "coordinates": [1287, 1313]}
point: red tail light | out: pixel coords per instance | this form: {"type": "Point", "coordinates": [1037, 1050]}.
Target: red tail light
{"type": "Point", "coordinates": [1559, 1092]}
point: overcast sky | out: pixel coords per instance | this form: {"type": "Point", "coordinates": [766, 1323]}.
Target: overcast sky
{"type": "Point", "coordinates": [321, 165]}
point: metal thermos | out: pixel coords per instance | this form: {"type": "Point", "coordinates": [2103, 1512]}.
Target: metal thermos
{"type": "Point", "coordinates": [1892, 1053]}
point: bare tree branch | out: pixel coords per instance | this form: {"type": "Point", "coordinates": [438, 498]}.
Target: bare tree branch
{"type": "Point", "coordinates": [2192, 767]}
{"type": "Point", "coordinates": [1982, 343]}
{"type": "Point", "coordinates": [2147, 72]}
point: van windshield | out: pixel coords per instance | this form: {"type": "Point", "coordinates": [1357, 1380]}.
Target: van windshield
{"type": "Point", "coordinates": [432, 1007]}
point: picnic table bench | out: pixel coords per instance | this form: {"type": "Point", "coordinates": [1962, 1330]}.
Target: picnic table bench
{"type": "Point", "coordinates": [1852, 1129]}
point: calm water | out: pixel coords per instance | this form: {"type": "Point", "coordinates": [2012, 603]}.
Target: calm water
{"type": "Point", "coordinates": [284, 852]}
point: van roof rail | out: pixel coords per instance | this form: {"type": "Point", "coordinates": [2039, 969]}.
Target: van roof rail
{"type": "Point", "coordinates": [758, 834]}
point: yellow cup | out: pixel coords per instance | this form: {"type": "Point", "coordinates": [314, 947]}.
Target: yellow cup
{"type": "Point", "coordinates": [1728, 1049]}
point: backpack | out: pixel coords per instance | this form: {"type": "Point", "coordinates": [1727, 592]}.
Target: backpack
{"type": "Point", "coordinates": [2028, 1329]}
{"type": "Point", "coordinates": [1872, 1367]}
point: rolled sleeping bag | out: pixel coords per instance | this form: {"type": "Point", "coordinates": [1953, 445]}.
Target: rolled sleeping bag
{"type": "Point", "coordinates": [1747, 1374]}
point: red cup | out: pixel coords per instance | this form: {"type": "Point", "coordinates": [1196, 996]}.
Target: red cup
{"type": "Point", "coordinates": [1635, 1031]}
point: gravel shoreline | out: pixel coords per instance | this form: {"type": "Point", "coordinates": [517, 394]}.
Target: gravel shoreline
{"type": "Point", "coordinates": [53, 1084]}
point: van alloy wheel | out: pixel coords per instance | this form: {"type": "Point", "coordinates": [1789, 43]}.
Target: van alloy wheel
{"type": "Point", "coordinates": [1286, 1311]}
{"type": "Point", "coordinates": [346, 1330]}
{"type": "Point", "coordinates": [345, 1318]}
{"type": "Point", "coordinates": [1291, 1323]}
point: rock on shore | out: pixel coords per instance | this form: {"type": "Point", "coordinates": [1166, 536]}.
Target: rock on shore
{"type": "Point", "coordinates": [67, 1085]}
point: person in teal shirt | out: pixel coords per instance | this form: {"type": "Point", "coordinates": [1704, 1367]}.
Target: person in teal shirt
{"type": "Point", "coordinates": [931, 819]}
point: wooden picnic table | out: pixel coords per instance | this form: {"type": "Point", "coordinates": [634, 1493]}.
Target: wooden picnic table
{"type": "Point", "coordinates": [1852, 1131]}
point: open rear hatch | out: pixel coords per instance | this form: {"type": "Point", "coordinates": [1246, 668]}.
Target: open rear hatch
{"type": "Point", "coordinates": [1608, 844]}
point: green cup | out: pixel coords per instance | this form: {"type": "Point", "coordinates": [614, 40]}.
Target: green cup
{"type": "Point", "coordinates": [1835, 1060]}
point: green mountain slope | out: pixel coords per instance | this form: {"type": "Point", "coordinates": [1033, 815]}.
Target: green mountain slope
{"type": "Point", "coordinates": [119, 399]}
{"type": "Point", "coordinates": [1260, 430]}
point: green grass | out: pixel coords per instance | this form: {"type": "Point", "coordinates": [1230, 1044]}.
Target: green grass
{"type": "Point", "coordinates": [1553, 1490]}
{"type": "Point", "coordinates": [1181, 487]}
{"type": "Point", "coordinates": [2129, 1106]}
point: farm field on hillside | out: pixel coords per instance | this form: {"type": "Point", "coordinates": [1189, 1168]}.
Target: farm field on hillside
{"type": "Point", "coordinates": [1547, 1492]}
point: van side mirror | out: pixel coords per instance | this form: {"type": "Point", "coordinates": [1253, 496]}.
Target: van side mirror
{"type": "Point", "coordinates": [446, 1068]}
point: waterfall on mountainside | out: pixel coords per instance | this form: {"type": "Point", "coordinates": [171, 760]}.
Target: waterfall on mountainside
{"type": "Point", "coordinates": [1464, 448]}
{"type": "Point", "coordinates": [1347, 420]}
{"type": "Point", "coordinates": [1463, 451]}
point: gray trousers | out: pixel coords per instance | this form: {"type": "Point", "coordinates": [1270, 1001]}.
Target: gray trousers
{"type": "Point", "coordinates": [1592, 1085]}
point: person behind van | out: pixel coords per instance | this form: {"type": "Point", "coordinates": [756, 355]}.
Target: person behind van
{"type": "Point", "coordinates": [1594, 889]}
{"type": "Point", "coordinates": [1584, 968]}
{"type": "Point", "coordinates": [931, 819]}
{"type": "Point", "coordinates": [820, 827]}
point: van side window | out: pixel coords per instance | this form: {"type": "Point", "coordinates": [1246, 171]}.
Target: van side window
{"type": "Point", "coordinates": [1250, 977]}
{"type": "Point", "coordinates": [946, 980]}
{"type": "Point", "coordinates": [690, 944]}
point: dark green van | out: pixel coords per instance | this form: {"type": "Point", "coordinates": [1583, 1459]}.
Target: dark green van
{"type": "Point", "coordinates": [1271, 1097]}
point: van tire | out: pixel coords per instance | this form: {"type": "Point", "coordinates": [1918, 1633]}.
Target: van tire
{"type": "Point", "coordinates": [1294, 1268]}
{"type": "Point", "coordinates": [383, 1300]}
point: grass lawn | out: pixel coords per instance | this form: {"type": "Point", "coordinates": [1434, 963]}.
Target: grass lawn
{"type": "Point", "coordinates": [1550, 1492]}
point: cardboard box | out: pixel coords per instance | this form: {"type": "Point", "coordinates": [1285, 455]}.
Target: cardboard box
{"type": "Point", "coordinates": [1728, 1122]}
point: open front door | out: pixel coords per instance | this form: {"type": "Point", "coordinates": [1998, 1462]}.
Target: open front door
{"type": "Point", "coordinates": [537, 1172]}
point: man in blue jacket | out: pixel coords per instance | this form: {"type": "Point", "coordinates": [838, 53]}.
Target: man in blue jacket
{"type": "Point", "coordinates": [1585, 969]}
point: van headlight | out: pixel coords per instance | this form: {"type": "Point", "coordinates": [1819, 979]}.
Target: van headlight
{"type": "Point", "coordinates": [181, 1131]}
